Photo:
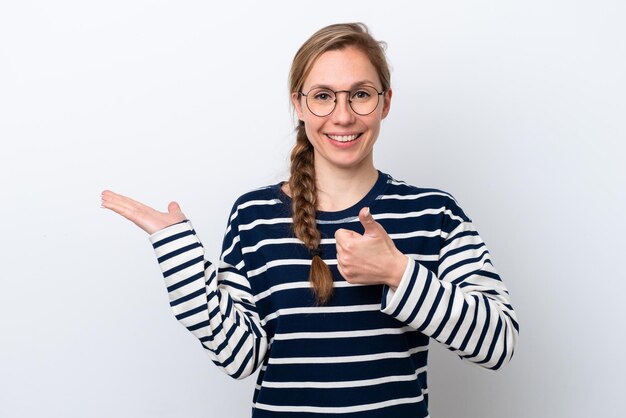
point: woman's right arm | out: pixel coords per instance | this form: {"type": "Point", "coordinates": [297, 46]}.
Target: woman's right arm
{"type": "Point", "coordinates": [214, 304]}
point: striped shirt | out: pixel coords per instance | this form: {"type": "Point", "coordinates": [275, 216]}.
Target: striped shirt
{"type": "Point", "coordinates": [365, 352]}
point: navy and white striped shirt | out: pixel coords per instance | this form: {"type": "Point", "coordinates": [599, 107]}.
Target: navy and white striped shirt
{"type": "Point", "coordinates": [365, 352]}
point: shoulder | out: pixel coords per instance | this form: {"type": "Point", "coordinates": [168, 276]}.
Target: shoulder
{"type": "Point", "coordinates": [411, 198]}
{"type": "Point", "coordinates": [262, 202]}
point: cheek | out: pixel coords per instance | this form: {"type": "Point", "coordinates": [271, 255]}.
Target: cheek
{"type": "Point", "coordinates": [312, 136]}
{"type": "Point", "coordinates": [374, 124]}
{"type": "Point", "coordinates": [312, 128]}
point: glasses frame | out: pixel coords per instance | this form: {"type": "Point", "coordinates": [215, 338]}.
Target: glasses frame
{"type": "Point", "coordinates": [379, 93]}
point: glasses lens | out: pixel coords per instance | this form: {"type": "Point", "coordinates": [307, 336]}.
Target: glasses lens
{"type": "Point", "coordinates": [321, 102]}
{"type": "Point", "coordinates": [364, 100]}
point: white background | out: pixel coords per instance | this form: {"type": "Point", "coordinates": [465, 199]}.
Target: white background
{"type": "Point", "coordinates": [515, 107]}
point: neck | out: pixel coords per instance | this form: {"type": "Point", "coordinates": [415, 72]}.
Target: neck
{"type": "Point", "coordinates": [340, 188]}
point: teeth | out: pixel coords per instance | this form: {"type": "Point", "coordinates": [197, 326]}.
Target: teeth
{"type": "Point", "coordinates": [343, 138]}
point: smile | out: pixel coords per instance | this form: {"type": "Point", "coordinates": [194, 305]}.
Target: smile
{"type": "Point", "coordinates": [343, 138]}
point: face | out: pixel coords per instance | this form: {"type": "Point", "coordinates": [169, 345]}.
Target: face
{"type": "Point", "coordinates": [342, 139]}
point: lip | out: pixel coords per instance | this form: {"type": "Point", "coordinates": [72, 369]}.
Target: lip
{"type": "Point", "coordinates": [343, 138]}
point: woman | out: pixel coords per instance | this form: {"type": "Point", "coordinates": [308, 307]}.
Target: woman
{"type": "Point", "coordinates": [334, 282]}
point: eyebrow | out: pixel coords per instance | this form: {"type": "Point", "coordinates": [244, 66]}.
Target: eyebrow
{"type": "Point", "coordinates": [356, 84]}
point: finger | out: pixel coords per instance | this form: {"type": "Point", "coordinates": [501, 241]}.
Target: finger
{"type": "Point", "coordinates": [111, 200]}
{"type": "Point", "coordinates": [372, 228]}
{"type": "Point", "coordinates": [345, 235]}
{"type": "Point", "coordinates": [174, 207]}
{"type": "Point", "coordinates": [110, 197]}
{"type": "Point", "coordinates": [340, 269]}
{"type": "Point", "coordinates": [122, 207]}
{"type": "Point", "coordinates": [129, 208]}
{"type": "Point", "coordinates": [124, 202]}
{"type": "Point", "coordinates": [121, 199]}
{"type": "Point", "coordinates": [341, 262]}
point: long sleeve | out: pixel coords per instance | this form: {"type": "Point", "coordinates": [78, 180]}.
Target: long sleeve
{"type": "Point", "coordinates": [215, 304]}
{"type": "Point", "coordinates": [464, 304]}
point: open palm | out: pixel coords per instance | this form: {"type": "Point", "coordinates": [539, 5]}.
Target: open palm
{"type": "Point", "coordinates": [145, 217]}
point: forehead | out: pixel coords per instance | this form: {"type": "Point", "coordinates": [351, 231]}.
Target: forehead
{"type": "Point", "coordinates": [341, 69]}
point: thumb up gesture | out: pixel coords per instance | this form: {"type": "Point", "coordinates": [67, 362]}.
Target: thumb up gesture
{"type": "Point", "coordinates": [371, 258]}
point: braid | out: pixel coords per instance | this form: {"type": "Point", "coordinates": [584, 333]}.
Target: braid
{"type": "Point", "coordinates": [304, 204]}
{"type": "Point", "coordinates": [302, 179]}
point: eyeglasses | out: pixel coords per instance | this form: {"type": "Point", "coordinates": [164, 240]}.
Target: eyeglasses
{"type": "Point", "coordinates": [322, 101]}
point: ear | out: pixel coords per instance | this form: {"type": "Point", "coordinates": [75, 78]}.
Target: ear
{"type": "Point", "coordinates": [297, 104]}
{"type": "Point", "coordinates": [386, 103]}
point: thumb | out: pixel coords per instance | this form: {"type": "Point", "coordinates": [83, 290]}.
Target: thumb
{"type": "Point", "coordinates": [371, 226]}
{"type": "Point", "coordinates": [173, 207]}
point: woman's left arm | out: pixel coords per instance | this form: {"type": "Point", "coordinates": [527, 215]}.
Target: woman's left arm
{"type": "Point", "coordinates": [464, 305]}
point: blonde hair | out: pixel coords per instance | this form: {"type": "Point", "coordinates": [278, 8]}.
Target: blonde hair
{"type": "Point", "coordinates": [302, 179]}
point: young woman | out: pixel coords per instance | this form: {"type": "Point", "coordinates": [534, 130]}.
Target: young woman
{"type": "Point", "coordinates": [333, 283]}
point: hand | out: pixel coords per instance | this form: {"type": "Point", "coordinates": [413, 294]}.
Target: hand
{"type": "Point", "coordinates": [141, 215]}
{"type": "Point", "coordinates": [371, 258]}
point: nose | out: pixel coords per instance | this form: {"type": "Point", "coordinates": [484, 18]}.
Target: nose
{"type": "Point", "coordinates": [343, 113]}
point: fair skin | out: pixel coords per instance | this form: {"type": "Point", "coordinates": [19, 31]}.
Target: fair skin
{"type": "Point", "coordinates": [345, 172]}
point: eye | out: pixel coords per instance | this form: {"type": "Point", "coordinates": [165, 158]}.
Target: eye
{"type": "Point", "coordinates": [323, 96]}
{"type": "Point", "coordinates": [361, 94]}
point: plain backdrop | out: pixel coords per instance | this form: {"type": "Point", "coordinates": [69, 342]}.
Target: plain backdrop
{"type": "Point", "coordinates": [515, 107]}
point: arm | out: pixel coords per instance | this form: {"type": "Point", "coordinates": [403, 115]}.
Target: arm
{"type": "Point", "coordinates": [214, 304]}
{"type": "Point", "coordinates": [464, 305]}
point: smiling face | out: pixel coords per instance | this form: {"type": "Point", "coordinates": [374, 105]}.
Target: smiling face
{"type": "Point", "coordinates": [343, 139]}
